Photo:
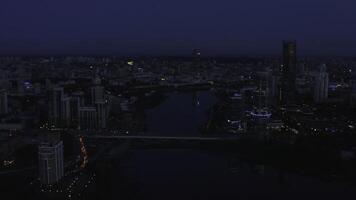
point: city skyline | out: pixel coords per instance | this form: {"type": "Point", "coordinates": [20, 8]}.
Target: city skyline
{"type": "Point", "coordinates": [177, 99]}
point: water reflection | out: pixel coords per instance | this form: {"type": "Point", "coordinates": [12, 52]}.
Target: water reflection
{"type": "Point", "coordinates": [195, 99]}
{"type": "Point", "coordinates": [182, 114]}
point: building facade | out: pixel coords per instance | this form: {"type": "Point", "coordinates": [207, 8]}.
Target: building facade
{"type": "Point", "coordinates": [321, 85]}
{"type": "Point", "coordinates": [50, 156]}
{"type": "Point", "coordinates": [288, 72]}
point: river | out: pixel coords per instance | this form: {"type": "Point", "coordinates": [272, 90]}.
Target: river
{"type": "Point", "coordinates": [193, 173]}
{"type": "Point", "coordinates": [181, 114]}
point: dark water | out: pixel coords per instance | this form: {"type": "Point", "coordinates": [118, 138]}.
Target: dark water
{"type": "Point", "coordinates": [192, 174]}
{"type": "Point", "coordinates": [181, 114]}
{"type": "Point", "coordinates": [177, 174]}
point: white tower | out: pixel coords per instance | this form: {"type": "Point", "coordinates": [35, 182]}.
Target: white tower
{"type": "Point", "coordinates": [50, 157]}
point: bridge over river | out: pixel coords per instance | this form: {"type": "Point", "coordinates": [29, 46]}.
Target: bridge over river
{"type": "Point", "coordinates": [140, 137]}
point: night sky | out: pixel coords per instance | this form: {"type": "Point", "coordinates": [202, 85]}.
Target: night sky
{"type": "Point", "coordinates": [175, 27]}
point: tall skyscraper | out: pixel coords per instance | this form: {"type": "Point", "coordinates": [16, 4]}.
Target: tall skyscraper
{"type": "Point", "coordinates": [321, 85]}
{"type": "Point", "coordinates": [289, 71]}
{"type": "Point", "coordinates": [50, 157]}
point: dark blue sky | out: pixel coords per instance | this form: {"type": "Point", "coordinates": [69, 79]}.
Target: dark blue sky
{"type": "Point", "coordinates": [169, 27]}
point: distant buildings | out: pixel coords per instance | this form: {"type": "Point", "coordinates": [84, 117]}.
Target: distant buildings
{"type": "Point", "coordinates": [102, 114]}
{"type": "Point", "coordinates": [261, 114]}
{"type": "Point", "coordinates": [3, 102]}
{"type": "Point", "coordinates": [65, 111]}
{"type": "Point", "coordinates": [55, 106]}
{"type": "Point", "coordinates": [50, 157]}
{"type": "Point", "coordinates": [88, 118]}
{"type": "Point", "coordinates": [272, 87]}
{"type": "Point", "coordinates": [321, 85]}
{"type": "Point", "coordinates": [75, 103]}
{"type": "Point", "coordinates": [83, 91]}
{"type": "Point", "coordinates": [97, 91]}
{"type": "Point", "coordinates": [72, 111]}
{"type": "Point", "coordinates": [98, 100]}
{"type": "Point", "coordinates": [353, 89]}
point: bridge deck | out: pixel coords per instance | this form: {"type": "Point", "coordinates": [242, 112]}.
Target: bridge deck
{"type": "Point", "coordinates": [159, 137]}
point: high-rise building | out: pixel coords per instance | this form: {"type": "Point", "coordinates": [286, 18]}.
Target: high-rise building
{"type": "Point", "coordinates": [97, 94]}
{"type": "Point", "coordinates": [321, 85]}
{"type": "Point", "coordinates": [97, 91]}
{"type": "Point", "coordinates": [102, 111]}
{"type": "Point", "coordinates": [55, 106]}
{"type": "Point", "coordinates": [75, 103]}
{"type": "Point", "coordinates": [50, 157]}
{"type": "Point", "coordinates": [3, 102]}
{"type": "Point", "coordinates": [65, 111]}
{"type": "Point", "coordinates": [98, 100]}
{"type": "Point", "coordinates": [288, 71]}
{"type": "Point", "coordinates": [88, 118]}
